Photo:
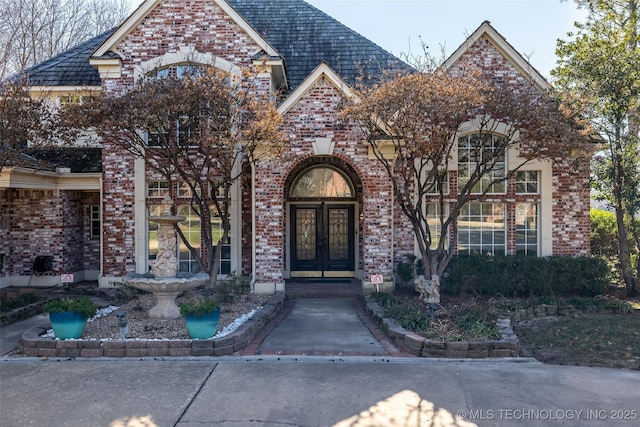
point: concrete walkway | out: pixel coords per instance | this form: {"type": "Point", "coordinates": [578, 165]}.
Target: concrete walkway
{"type": "Point", "coordinates": [322, 325]}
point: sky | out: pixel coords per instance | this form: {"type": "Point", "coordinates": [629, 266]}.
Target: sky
{"type": "Point", "coordinates": [530, 26]}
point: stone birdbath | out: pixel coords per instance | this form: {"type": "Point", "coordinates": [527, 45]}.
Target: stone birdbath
{"type": "Point", "coordinates": [164, 281]}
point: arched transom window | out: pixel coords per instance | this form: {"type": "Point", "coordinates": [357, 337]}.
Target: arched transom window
{"type": "Point", "coordinates": [322, 182]}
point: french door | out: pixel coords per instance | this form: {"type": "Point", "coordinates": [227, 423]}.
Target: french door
{"type": "Point", "coordinates": [322, 240]}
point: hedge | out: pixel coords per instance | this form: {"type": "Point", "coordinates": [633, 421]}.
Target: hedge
{"type": "Point", "coordinates": [526, 276]}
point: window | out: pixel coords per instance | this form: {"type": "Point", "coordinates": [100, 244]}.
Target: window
{"type": "Point", "coordinates": [184, 191]}
{"type": "Point", "coordinates": [70, 99]}
{"type": "Point", "coordinates": [176, 71]}
{"type": "Point", "coordinates": [185, 129]}
{"type": "Point", "coordinates": [322, 182]}
{"type": "Point", "coordinates": [481, 229]}
{"type": "Point", "coordinates": [152, 231]}
{"type": "Point", "coordinates": [225, 256]}
{"type": "Point", "coordinates": [527, 229]}
{"type": "Point", "coordinates": [191, 228]}
{"type": "Point", "coordinates": [156, 137]}
{"type": "Point", "coordinates": [479, 151]}
{"type": "Point", "coordinates": [432, 186]}
{"type": "Point", "coordinates": [158, 189]}
{"type": "Point", "coordinates": [433, 221]}
{"type": "Point", "coordinates": [527, 182]}
{"type": "Point", "coordinates": [95, 221]}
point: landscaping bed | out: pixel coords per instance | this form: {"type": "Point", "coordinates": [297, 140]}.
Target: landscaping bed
{"type": "Point", "coordinates": [600, 331]}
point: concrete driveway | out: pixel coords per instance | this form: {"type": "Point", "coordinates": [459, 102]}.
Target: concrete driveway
{"type": "Point", "coordinates": [313, 391]}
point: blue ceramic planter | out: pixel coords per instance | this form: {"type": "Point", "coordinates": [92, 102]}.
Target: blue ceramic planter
{"type": "Point", "coordinates": [202, 327]}
{"type": "Point", "coordinates": [67, 324]}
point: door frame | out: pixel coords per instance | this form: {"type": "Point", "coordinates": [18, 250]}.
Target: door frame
{"type": "Point", "coordinates": [289, 273]}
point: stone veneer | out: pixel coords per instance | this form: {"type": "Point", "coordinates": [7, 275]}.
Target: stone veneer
{"type": "Point", "coordinates": [33, 345]}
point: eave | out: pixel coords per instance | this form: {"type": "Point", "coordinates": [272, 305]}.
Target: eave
{"type": "Point", "coordinates": [30, 179]}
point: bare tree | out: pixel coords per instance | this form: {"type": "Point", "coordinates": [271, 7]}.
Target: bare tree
{"type": "Point", "coordinates": [32, 31]}
{"type": "Point", "coordinates": [25, 121]}
{"type": "Point", "coordinates": [203, 128]}
{"type": "Point", "coordinates": [412, 125]}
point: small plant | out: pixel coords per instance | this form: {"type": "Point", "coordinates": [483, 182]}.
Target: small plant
{"type": "Point", "coordinates": [478, 324]}
{"type": "Point", "coordinates": [412, 319]}
{"type": "Point", "coordinates": [198, 306]}
{"type": "Point", "coordinates": [82, 305]}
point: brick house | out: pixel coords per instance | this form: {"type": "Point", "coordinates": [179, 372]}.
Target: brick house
{"type": "Point", "coordinates": [87, 210]}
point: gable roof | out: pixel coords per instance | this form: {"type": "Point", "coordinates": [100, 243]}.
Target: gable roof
{"type": "Point", "coordinates": [301, 34]}
{"type": "Point", "coordinates": [504, 47]}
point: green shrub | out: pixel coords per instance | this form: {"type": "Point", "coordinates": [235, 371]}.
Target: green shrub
{"type": "Point", "coordinates": [81, 305]}
{"type": "Point", "coordinates": [412, 319]}
{"type": "Point", "coordinates": [523, 276]}
{"type": "Point", "coordinates": [604, 231]}
{"type": "Point", "coordinates": [198, 306]}
{"type": "Point", "coordinates": [385, 300]}
{"type": "Point", "coordinates": [8, 304]}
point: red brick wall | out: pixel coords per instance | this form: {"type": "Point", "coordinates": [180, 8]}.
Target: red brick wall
{"type": "Point", "coordinates": [385, 235]}
{"type": "Point", "coordinates": [571, 203]}
{"type": "Point", "coordinates": [571, 224]}
{"type": "Point", "coordinates": [54, 223]}
{"type": "Point", "coordinates": [196, 23]}
{"type": "Point", "coordinates": [118, 220]}
{"type": "Point", "coordinates": [317, 116]}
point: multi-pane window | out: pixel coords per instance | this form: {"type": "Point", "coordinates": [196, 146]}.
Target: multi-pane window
{"type": "Point", "coordinates": [435, 227]}
{"type": "Point", "coordinates": [527, 229]}
{"type": "Point", "coordinates": [477, 152]}
{"type": "Point", "coordinates": [184, 191]}
{"type": "Point", "coordinates": [95, 221]}
{"type": "Point", "coordinates": [157, 188]}
{"type": "Point", "coordinates": [439, 186]}
{"type": "Point", "coordinates": [176, 71]}
{"type": "Point", "coordinates": [70, 99]}
{"type": "Point", "coordinates": [192, 230]}
{"type": "Point", "coordinates": [216, 234]}
{"type": "Point", "coordinates": [185, 129]}
{"type": "Point", "coordinates": [527, 182]}
{"type": "Point", "coordinates": [152, 232]}
{"type": "Point", "coordinates": [481, 229]}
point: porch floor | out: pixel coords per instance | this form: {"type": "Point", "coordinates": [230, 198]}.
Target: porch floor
{"type": "Point", "coordinates": [314, 288]}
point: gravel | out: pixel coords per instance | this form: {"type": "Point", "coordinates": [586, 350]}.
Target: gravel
{"type": "Point", "coordinates": [105, 325]}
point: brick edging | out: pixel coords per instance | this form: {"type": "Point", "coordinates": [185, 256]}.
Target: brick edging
{"type": "Point", "coordinates": [416, 345]}
{"type": "Point", "coordinates": [33, 345]}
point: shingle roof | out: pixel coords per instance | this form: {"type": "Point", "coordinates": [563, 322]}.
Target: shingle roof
{"type": "Point", "coordinates": [69, 68]}
{"type": "Point", "coordinates": [78, 160]}
{"type": "Point", "coordinates": [304, 36]}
